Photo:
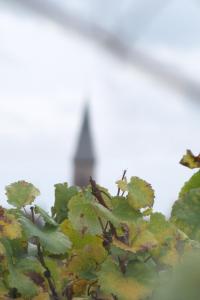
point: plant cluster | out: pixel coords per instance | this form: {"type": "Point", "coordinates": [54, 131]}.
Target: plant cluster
{"type": "Point", "coordinates": [101, 247]}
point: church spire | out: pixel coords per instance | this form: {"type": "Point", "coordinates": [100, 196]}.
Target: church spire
{"type": "Point", "coordinates": [84, 158]}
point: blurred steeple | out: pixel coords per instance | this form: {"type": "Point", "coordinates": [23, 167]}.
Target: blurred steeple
{"type": "Point", "coordinates": [84, 159]}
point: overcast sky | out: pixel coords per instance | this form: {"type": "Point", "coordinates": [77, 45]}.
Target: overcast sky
{"type": "Point", "coordinates": [47, 75]}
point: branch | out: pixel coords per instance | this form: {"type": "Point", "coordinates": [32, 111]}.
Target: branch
{"type": "Point", "coordinates": [123, 176]}
{"type": "Point", "coordinates": [97, 193]}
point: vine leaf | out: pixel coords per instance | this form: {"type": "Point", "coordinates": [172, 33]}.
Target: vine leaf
{"type": "Point", "coordinates": [136, 283]}
{"type": "Point", "coordinates": [122, 184]}
{"type": "Point", "coordinates": [185, 214]}
{"type": "Point", "coordinates": [21, 193]}
{"type": "Point", "coordinates": [78, 240]}
{"type": "Point", "coordinates": [123, 210]}
{"type": "Point", "coordinates": [192, 183]}
{"type": "Point", "coordinates": [140, 193]}
{"type": "Point", "coordinates": [63, 193]}
{"type": "Point", "coordinates": [190, 160]}
{"type": "Point", "coordinates": [42, 296]}
{"type": "Point", "coordinates": [9, 226]}
{"type": "Point", "coordinates": [22, 283]}
{"type": "Point", "coordinates": [85, 261]}
{"type": "Point", "coordinates": [162, 229]}
{"type": "Point", "coordinates": [51, 239]}
{"type": "Point", "coordinates": [45, 216]}
{"type": "Point", "coordinates": [84, 214]}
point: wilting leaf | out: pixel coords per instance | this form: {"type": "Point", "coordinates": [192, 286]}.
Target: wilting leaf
{"type": "Point", "coordinates": [190, 160]}
{"type": "Point", "coordinates": [21, 193]}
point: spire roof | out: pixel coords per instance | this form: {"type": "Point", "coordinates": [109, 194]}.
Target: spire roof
{"type": "Point", "coordinates": [85, 151]}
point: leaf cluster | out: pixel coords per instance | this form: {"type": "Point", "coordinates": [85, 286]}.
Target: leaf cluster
{"type": "Point", "coordinates": [97, 246]}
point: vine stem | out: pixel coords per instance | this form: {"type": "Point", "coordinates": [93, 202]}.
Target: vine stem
{"type": "Point", "coordinates": [47, 272]}
{"type": "Point", "coordinates": [123, 176]}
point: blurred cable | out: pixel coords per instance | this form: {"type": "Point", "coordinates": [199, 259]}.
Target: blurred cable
{"type": "Point", "coordinates": [116, 46]}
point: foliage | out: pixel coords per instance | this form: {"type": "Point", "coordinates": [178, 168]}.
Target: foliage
{"type": "Point", "coordinates": [101, 247]}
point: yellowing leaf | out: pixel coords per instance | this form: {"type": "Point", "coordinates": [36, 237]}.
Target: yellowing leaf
{"type": "Point", "coordinates": [9, 226]}
{"type": "Point", "coordinates": [78, 240]}
{"type": "Point", "coordinates": [122, 184]}
{"type": "Point", "coordinates": [79, 287]}
{"type": "Point", "coordinates": [140, 239]}
{"type": "Point", "coordinates": [171, 258]}
{"type": "Point", "coordinates": [190, 160]}
{"type": "Point", "coordinates": [140, 193]}
{"type": "Point", "coordinates": [161, 228]}
{"type": "Point", "coordinates": [128, 286]}
{"type": "Point", "coordinates": [42, 296]}
{"type": "Point", "coordinates": [84, 261]}
{"type": "Point", "coordinates": [21, 193]}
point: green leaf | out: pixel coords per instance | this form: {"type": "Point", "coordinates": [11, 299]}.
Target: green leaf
{"type": "Point", "coordinates": [162, 229]}
{"type": "Point", "coordinates": [63, 194]}
{"type": "Point", "coordinates": [190, 160]}
{"type": "Point", "coordinates": [51, 239]}
{"type": "Point", "coordinates": [78, 240]}
{"type": "Point", "coordinates": [123, 210]}
{"type": "Point", "coordinates": [137, 283]}
{"type": "Point", "coordinates": [182, 283]}
{"type": "Point", "coordinates": [22, 283]}
{"type": "Point", "coordinates": [82, 214]}
{"type": "Point", "coordinates": [140, 238]}
{"type": "Point", "coordinates": [85, 261]}
{"type": "Point", "coordinates": [185, 214]}
{"type": "Point", "coordinates": [21, 193]}
{"type": "Point", "coordinates": [192, 183]}
{"type": "Point", "coordinates": [45, 216]}
{"type": "Point", "coordinates": [140, 193]}
{"type": "Point", "coordinates": [85, 211]}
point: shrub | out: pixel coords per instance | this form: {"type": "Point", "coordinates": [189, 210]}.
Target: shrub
{"type": "Point", "coordinates": [101, 247]}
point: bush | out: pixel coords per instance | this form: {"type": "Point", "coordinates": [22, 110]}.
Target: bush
{"type": "Point", "coordinates": [101, 247]}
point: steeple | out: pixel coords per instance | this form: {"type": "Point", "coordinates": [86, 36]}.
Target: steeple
{"type": "Point", "coordinates": [84, 158]}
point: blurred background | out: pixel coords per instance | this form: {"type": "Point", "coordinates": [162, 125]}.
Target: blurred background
{"type": "Point", "coordinates": [136, 63]}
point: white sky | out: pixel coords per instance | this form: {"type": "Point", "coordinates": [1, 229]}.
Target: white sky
{"type": "Point", "coordinates": [47, 74]}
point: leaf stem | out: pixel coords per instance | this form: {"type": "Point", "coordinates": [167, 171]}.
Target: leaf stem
{"type": "Point", "coordinates": [123, 176]}
{"type": "Point", "coordinates": [47, 272]}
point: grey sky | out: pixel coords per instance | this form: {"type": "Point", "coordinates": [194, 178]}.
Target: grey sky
{"type": "Point", "coordinates": [47, 74]}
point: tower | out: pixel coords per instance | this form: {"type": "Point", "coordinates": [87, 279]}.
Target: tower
{"type": "Point", "coordinates": [84, 159]}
